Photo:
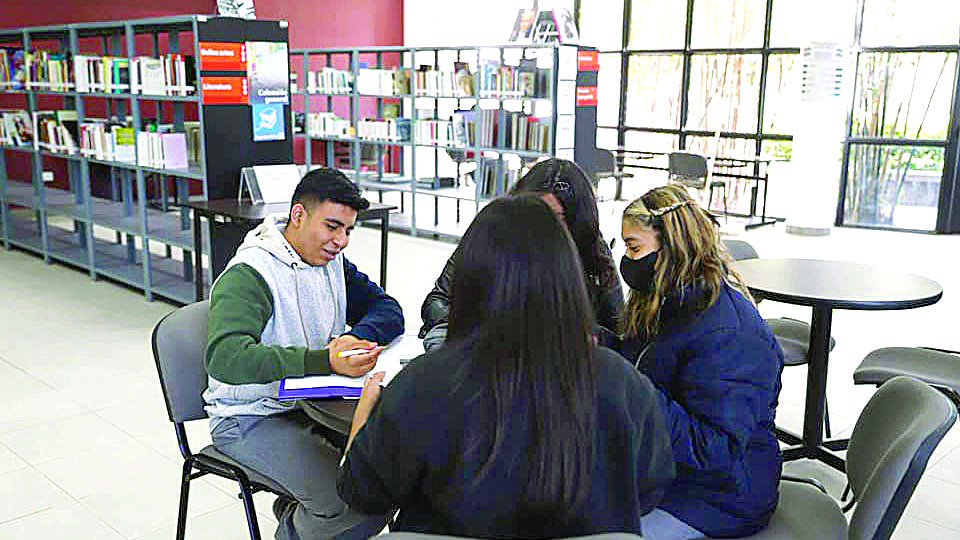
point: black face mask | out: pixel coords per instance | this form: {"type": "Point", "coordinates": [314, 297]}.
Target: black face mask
{"type": "Point", "coordinates": [638, 273]}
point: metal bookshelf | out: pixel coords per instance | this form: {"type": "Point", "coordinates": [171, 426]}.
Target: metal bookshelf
{"type": "Point", "coordinates": [417, 105]}
{"type": "Point", "coordinates": [122, 236]}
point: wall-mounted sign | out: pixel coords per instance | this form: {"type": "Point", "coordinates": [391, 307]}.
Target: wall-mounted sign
{"type": "Point", "coordinates": [216, 56]}
{"type": "Point", "coordinates": [268, 72]}
{"type": "Point", "coordinates": [268, 122]}
{"type": "Point", "coordinates": [224, 90]}
{"type": "Point", "coordinates": [586, 96]}
{"type": "Point", "coordinates": [588, 61]}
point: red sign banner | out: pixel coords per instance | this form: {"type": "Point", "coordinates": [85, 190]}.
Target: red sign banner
{"type": "Point", "coordinates": [588, 61]}
{"type": "Point", "coordinates": [224, 90]}
{"type": "Point", "coordinates": [222, 56]}
{"type": "Point", "coordinates": [586, 96]}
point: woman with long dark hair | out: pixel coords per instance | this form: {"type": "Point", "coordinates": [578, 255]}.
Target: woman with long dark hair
{"type": "Point", "coordinates": [692, 327]}
{"type": "Point", "coordinates": [567, 191]}
{"type": "Point", "coordinates": [519, 425]}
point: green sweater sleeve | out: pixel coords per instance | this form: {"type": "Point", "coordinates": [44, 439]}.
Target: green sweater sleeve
{"type": "Point", "coordinates": [240, 306]}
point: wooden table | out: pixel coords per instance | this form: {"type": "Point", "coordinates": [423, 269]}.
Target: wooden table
{"type": "Point", "coordinates": [241, 216]}
{"type": "Point", "coordinates": [825, 286]}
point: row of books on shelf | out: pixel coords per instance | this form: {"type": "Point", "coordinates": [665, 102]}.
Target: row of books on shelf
{"type": "Point", "coordinates": [520, 132]}
{"type": "Point", "coordinates": [108, 140]}
{"type": "Point", "coordinates": [488, 175]}
{"type": "Point", "coordinates": [169, 75]}
{"type": "Point", "coordinates": [16, 128]}
{"type": "Point", "coordinates": [19, 69]}
{"type": "Point", "coordinates": [466, 128]}
{"type": "Point", "coordinates": [491, 80]}
{"type": "Point", "coordinates": [172, 150]}
{"type": "Point", "coordinates": [328, 124]}
{"type": "Point", "coordinates": [327, 81]}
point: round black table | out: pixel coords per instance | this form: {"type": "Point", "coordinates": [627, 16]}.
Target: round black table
{"type": "Point", "coordinates": [825, 286]}
{"type": "Point", "coordinates": [334, 413]}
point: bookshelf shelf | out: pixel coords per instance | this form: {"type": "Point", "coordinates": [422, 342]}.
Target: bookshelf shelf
{"type": "Point", "coordinates": [145, 97]}
{"type": "Point", "coordinates": [60, 155]}
{"type": "Point", "coordinates": [20, 194]}
{"type": "Point", "coordinates": [498, 106]}
{"type": "Point", "coordinates": [121, 219]}
{"type": "Point", "coordinates": [24, 234]}
{"type": "Point", "coordinates": [24, 148]}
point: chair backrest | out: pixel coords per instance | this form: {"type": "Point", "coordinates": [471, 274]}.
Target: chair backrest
{"type": "Point", "coordinates": [739, 249]}
{"type": "Point", "coordinates": [179, 349]}
{"type": "Point", "coordinates": [688, 168]}
{"type": "Point", "coordinates": [889, 448]}
{"type": "Point", "coordinates": [604, 161]}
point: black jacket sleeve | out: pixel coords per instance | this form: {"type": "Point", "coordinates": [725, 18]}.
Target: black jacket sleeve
{"type": "Point", "coordinates": [436, 306]}
{"type": "Point", "coordinates": [372, 314]}
{"type": "Point", "coordinates": [608, 301]}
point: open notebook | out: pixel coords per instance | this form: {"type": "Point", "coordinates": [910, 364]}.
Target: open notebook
{"type": "Point", "coordinates": [391, 361]}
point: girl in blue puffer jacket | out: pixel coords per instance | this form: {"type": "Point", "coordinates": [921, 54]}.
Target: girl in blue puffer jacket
{"type": "Point", "coordinates": [691, 326]}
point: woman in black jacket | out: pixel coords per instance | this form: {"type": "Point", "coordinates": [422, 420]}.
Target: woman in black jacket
{"type": "Point", "coordinates": [568, 192]}
{"type": "Point", "coordinates": [519, 426]}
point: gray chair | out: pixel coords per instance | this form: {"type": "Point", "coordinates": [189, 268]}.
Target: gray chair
{"type": "Point", "coordinates": [939, 368]}
{"type": "Point", "coordinates": [693, 170]}
{"type": "Point", "coordinates": [179, 349]}
{"type": "Point", "coordinates": [889, 449]}
{"type": "Point", "coordinates": [423, 536]}
{"type": "Point", "coordinates": [792, 335]}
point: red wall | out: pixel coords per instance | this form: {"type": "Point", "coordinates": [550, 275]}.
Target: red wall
{"type": "Point", "coordinates": [313, 24]}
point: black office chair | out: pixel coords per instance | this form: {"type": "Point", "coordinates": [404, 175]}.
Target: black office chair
{"type": "Point", "coordinates": [792, 335]}
{"type": "Point", "coordinates": [890, 446]}
{"type": "Point", "coordinates": [939, 368]}
{"type": "Point", "coordinates": [179, 346]}
{"type": "Point", "coordinates": [693, 170]}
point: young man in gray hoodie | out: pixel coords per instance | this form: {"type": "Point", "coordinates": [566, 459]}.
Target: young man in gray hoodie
{"type": "Point", "coordinates": [280, 309]}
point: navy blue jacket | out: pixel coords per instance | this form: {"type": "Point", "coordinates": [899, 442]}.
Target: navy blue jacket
{"type": "Point", "coordinates": [372, 314]}
{"type": "Point", "coordinates": [413, 450]}
{"type": "Point", "coordinates": [718, 370]}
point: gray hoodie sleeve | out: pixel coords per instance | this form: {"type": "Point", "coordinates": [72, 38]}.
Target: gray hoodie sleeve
{"type": "Point", "coordinates": [240, 306]}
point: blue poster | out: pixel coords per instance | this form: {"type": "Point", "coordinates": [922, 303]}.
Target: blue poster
{"type": "Point", "coordinates": [268, 123]}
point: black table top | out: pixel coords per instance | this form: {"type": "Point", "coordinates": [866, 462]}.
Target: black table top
{"type": "Point", "coordinates": [256, 212]}
{"type": "Point", "coordinates": [839, 284]}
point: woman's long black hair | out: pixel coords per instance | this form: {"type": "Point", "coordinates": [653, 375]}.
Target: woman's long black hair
{"type": "Point", "coordinates": [571, 186]}
{"type": "Point", "coordinates": [521, 319]}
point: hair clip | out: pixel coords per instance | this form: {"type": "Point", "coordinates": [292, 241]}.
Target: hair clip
{"type": "Point", "coordinates": [561, 185]}
{"type": "Point", "coordinates": [657, 212]}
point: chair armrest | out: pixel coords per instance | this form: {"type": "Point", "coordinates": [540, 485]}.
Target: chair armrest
{"type": "Point", "coordinates": [801, 480]}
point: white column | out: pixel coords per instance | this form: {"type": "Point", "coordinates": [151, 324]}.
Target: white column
{"type": "Point", "coordinates": [824, 99]}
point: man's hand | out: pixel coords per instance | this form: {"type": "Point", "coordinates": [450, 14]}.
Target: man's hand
{"type": "Point", "coordinates": [357, 364]}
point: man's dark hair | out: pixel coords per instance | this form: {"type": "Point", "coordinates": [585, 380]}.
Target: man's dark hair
{"type": "Point", "coordinates": [323, 184]}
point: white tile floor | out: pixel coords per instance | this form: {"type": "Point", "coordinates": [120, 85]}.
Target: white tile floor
{"type": "Point", "coordinates": [86, 450]}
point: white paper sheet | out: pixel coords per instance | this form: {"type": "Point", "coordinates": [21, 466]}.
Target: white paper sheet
{"type": "Point", "coordinates": [390, 361]}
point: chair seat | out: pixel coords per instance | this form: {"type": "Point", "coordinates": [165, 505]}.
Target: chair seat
{"type": "Point", "coordinates": [211, 451]}
{"type": "Point", "coordinates": [932, 367]}
{"type": "Point", "coordinates": [794, 338]}
{"type": "Point", "coordinates": [804, 513]}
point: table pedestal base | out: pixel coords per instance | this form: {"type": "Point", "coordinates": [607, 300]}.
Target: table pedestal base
{"type": "Point", "coordinates": [823, 452]}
